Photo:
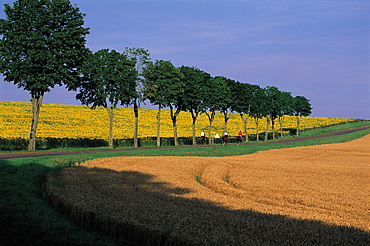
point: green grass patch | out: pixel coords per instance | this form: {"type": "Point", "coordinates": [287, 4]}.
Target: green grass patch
{"type": "Point", "coordinates": [198, 178]}
{"type": "Point", "coordinates": [26, 218]}
{"type": "Point", "coordinates": [303, 133]}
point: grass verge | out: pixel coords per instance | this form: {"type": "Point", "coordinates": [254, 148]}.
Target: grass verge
{"type": "Point", "coordinates": [303, 133]}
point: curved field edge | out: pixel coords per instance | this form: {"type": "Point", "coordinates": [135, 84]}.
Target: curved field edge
{"type": "Point", "coordinates": [194, 217]}
{"type": "Point", "coordinates": [29, 218]}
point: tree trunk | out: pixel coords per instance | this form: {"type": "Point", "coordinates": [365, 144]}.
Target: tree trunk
{"type": "Point", "coordinates": [267, 127]}
{"type": "Point", "coordinates": [174, 124]}
{"type": "Point", "coordinates": [159, 126]}
{"type": "Point", "coordinates": [257, 129]}
{"type": "Point", "coordinates": [245, 122]}
{"type": "Point", "coordinates": [298, 122]}
{"type": "Point", "coordinates": [225, 121]}
{"type": "Point", "coordinates": [211, 118]}
{"type": "Point", "coordinates": [281, 121]}
{"type": "Point", "coordinates": [36, 101]}
{"type": "Point", "coordinates": [175, 138]}
{"type": "Point", "coordinates": [136, 125]}
{"type": "Point", "coordinates": [111, 115]}
{"type": "Point", "coordinates": [194, 116]}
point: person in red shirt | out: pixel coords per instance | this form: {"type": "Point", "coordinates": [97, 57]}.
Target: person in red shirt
{"type": "Point", "coordinates": [239, 138]}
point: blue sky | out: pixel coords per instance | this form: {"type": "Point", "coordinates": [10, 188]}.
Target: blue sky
{"type": "Point", "coordinates": [317, 49]}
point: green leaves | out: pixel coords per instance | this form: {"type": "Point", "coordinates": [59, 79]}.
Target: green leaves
{"type": "Point", "coordinates": [217, 94]}
{"type": "Point", "coordinates": [109, 79]}
{"type": "Point", "coordinates": [163, 84]}
{"type": "Point", "coordinates": [196, 82]}
{"type": "Point", "coordinates": [42, 45]}
{"type": "Point", "coordinates": [301, 106]}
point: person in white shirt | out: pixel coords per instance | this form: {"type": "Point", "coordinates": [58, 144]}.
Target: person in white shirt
{"type": "Point", "coordinates": [225, 138]}
{"type": "Point", "coordinates": [202, 137]}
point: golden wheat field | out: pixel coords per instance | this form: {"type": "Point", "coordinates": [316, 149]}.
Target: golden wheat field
{"type": "Point", "coordinates": [236, 196]}
{"type": "Point", "coordinates": [71, 121]}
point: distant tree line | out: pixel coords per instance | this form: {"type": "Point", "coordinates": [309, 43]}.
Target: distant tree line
{"type": "Point", "coordinates": [43, 44]}
{"type": "Point", "coordinates": [196, 91]}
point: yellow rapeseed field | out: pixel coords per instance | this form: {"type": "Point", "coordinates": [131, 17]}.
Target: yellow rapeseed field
{"type": "Point", "coordinates": [71, 121]}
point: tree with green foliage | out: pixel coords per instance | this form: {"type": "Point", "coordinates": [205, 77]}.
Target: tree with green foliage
{"type": "Point", "coordinates": [286, 102]}
{"type": "Point", "coordinates": [109, 79]}
{"type": "Point", "coordinates": [301, 107]}
{"type": "Point", "coordinates": [214, 96]}
{"type": "Point", "coordinates": [274, 108]}
{"type": "Point", "coordinates": [243, 99]}
{"type": "Point", "coordinates": [258, 108]}
{"type": "Point", "coordinates": [163, 87]}
{"type": "Point", "coordinates": [141, 58]}
{"type": "Point", "coordinates": [42, 46]}
{"type": "Point", "coordinates": [195, 81]}
{"type": "Point", "coordinates": [226, 101]}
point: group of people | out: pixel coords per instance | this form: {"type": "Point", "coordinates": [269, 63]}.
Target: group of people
{"type": "Point", "coordinates": [225, 137]}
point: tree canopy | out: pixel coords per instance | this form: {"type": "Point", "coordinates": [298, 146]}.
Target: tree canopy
{"type": "Point", "coordinates": [42, 45]}
{"type": "Point", "coordinates": [109, 79]}
{"type": "Point", "coordinates": [300, 107]}
{"type": "Point", "coordinates": [196, 82]}
{"type": "Point", "coordinates": [141, 57]}
{"type": "Point", "coordinates": [163, 87]}
{"type": "Point", "coordinates": [162, 83]}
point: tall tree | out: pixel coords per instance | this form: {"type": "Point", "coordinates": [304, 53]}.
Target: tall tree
{"type": "Point", "coordinates": [301, 107]}
{"type": "Point", "coordinates": [286, 102]}
{"type": "Point", "coordinates": [258, 107]}
{"type": "Point", "coordinates": [274, 108]}
{"type": "Point", "coordinates": [141, 57]}
{"type": "Point", "coordinates": [243, 99]}
{"type": "Point", "coordinates": [226, 100]}
{"type": "Point", "coordinates": [213, 100]}
{"type": "Point", "coordinates": [109, 79]}
{"type": "Point", "coordinates": [195, 81]}
{"type": "Point", "coordinates": [42, 45]}
{"type": "Point", "coordinates": [163, 87]}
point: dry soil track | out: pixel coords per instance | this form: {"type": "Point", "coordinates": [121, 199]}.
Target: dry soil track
{"type": "Point", "coordinates": [5, 156]}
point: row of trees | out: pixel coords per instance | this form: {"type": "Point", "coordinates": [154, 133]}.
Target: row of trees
{"type": "Point", "coordinates": [196, 91]}
{"type": "Point", "coordinates": [43, 45]}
